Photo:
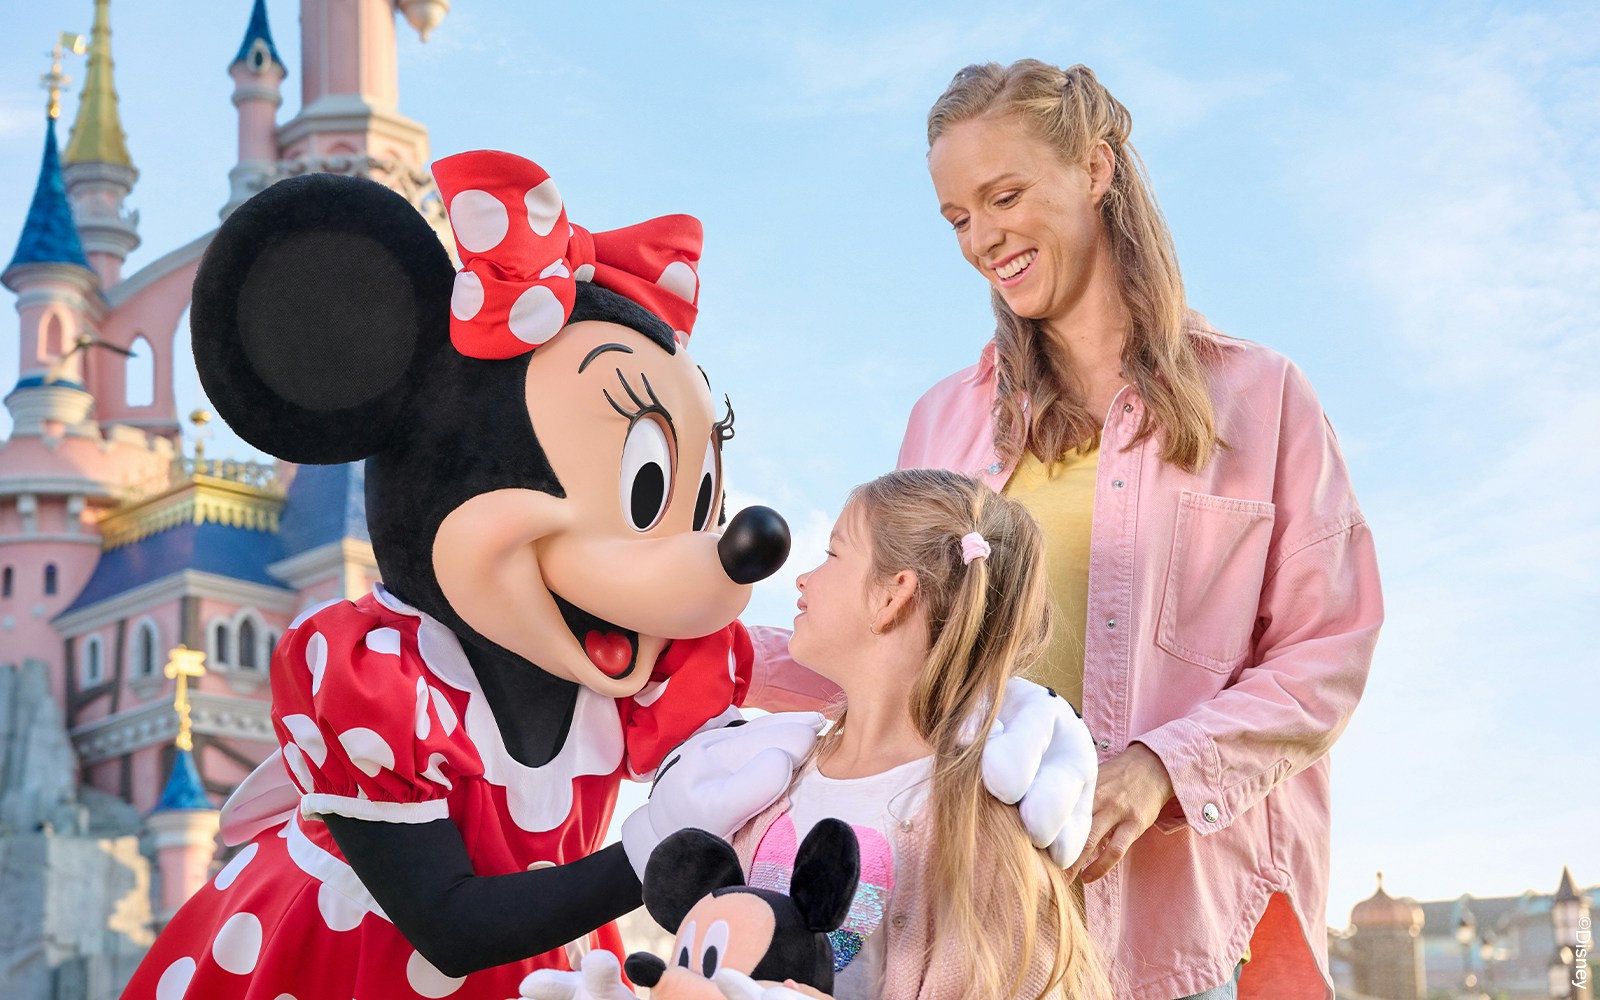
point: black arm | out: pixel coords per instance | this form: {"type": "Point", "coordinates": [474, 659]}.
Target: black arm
{"type": "Point", "coordinates": [462, 922]}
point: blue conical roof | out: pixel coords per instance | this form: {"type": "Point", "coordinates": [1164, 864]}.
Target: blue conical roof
{"type": "Point", "coordinates": [49, 236]}
{"type": "Point", "coordinates": [184, 789]}
{"type": "Point", "coordinates": [258, 29]}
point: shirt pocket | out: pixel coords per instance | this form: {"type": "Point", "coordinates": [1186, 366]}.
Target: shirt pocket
{"type": "Point", "coordinates": [1213, 589]}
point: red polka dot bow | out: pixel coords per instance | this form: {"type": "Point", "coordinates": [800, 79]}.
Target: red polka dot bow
{"type": "Point", "coordinates": [521, 259]}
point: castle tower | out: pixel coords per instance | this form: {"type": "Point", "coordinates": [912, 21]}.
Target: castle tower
{"type": "Point", "coordinates": [99, 172]}
{"type": "Point", "coordinates": [183, 826]}
{"type": "Point", "coordinates": [258, 73]}
{"type": "Point", "coordinates": [1386, 947]}
{"type": "Point", "coordinates": [349, 93]}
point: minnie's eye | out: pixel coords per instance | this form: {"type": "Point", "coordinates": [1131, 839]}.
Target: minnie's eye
{"type": "Point", "coordinates": [706, 495]}
{"type": "Point", "coordinates": [646, 473]}
{"type": "Point", "coordinates": [716, 945]}
{"type": "Point", "coordinates": [686, 935]}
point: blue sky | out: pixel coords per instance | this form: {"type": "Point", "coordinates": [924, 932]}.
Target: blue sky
{"type": "Point", "coordinates": [1401, 197]}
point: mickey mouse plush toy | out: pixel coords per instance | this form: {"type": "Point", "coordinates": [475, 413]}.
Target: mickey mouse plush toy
{"type": "Point", "coordinates": [544, 495]}
{"type": "Point", "coordinates": [694, 884]}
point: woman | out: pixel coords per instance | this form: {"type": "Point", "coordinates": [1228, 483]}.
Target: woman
{"type": "Point", "coordinates": [1215, 581]}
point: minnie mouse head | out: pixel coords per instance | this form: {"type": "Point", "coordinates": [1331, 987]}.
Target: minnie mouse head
{"type": "Point", "coordinates": [544, 470]}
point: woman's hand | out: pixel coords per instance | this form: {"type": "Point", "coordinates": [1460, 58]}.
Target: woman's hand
{"type": "Point", "coordinates": [1132, 788]}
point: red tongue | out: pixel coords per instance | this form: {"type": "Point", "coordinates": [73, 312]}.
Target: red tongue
{"type": "Point", "coordinates": [608, 651]}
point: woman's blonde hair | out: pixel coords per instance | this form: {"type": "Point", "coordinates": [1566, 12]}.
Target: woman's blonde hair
{"type": "Point", "coordinates": [987, 622]}
{"type": "Point", "coordinates": [1072, 113]}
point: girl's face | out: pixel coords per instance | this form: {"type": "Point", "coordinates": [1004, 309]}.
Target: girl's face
{"type": "Point", "coordinates": [1026, 221]}
{"type": "Point", "coordinates": [836, 614]}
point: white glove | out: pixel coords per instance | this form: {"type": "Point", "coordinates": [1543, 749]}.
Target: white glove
{"type": "Point", "coordinates": [735, 985]}
{"type": "Point", "coordinates": [718, 780]}
{"type": "Point", "coordinates": [1040, 753]}
{"type": "Point", "coordinates": [599, 978]}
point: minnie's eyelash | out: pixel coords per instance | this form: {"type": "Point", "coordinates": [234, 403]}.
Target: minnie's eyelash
{"type": "Point", "coordinates": [722, 430]}
{"type": "Point", "coordinates": [654, 406]}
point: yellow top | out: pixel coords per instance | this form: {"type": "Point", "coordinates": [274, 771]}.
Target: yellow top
{"type": "Point", "coordinates": [1061, 498]}
{"type": "Point", "coordinates": [97, 132]}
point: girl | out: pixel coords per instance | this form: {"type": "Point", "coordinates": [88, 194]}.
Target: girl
{"type": "Point", "coordinates": [932, 596]}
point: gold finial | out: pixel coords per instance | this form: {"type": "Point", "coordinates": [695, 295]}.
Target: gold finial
{"type": "Point", "coordinates": [199, 418]}
{"type": "Point", "coordinates": [184, 663]}
{"type": "Point", "coordinates": [54, 80]}
{"type": "Point", "coordinates": [97, 135]}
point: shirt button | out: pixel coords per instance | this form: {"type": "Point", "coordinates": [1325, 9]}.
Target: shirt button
{"type": "Point", "coordinates": [994, 470]}
{"type": "Point", "coordinates": [1210, 812]}
{"type": "Point", "coordinates": [1111, 623]}
{"type": "Point", "coordinates": [1127, 407]}
{"type": "Point", "coordinates": [898, 920]}
{"type": "Point", "coordinates": [905, 826]}
{"type": "Point", "coordinates": [1105, 744]}
{"type": "Point", "coordinates": [1116, 484]}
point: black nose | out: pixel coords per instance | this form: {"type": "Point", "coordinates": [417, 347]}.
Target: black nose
{"type": "Point", "coordinates": [754, 545]}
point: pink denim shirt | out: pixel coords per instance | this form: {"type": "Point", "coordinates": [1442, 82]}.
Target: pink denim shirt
{"type": "Point", "coordinates": [1232, 618]}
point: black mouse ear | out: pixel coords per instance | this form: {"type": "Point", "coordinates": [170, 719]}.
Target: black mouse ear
{"type": "Point", "coordinates": [826, 869]}
{"type": "Point", "coordinates": [683, 869]}
{"type": "Point", "coordinates": [317, 308]}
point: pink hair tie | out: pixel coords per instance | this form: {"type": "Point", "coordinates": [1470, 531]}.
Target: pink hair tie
{"type": "Point", "coordinates": [973, 546]}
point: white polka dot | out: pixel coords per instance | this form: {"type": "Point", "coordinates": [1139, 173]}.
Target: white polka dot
{"type": "Point", "coordinates": [650, 692]}
{"type": "Point", "coordinates": [427, 980]}
{"type": "Point", "coordinates": [367, 750]}
{"type": "Point", "coordinates": [316, 659]}
{"type": "Point", "coordinates": [306, 734]}
{"type": "Point", "coordinates": [558, 267]}
{"type": "Point", "coordinates": [339, 911]}
{"type": "Point", "coordinates": [585, 272]}
{"type": "Point", "coordinates": [424, 724]}
{"type": "Point", "coordinates": [536, 316]}
{"type": "Point", "coordinates": [544, 207]}
{"type": "Point", "coordinates": [284, 996]}
{"type": "Point", "coordinates": [678, 278]}
{"type": "Point", "coordinates": [238, 945]}
{"type": "Point", "coordinates": [479, 220]}
{"type": "Point", "coordinates": [733, 666]}
{"type": "Point", "coordinates": [174, 983]}
{"type": "Point", "coordinates": [384, 640]}
{"type": "Point", "coordinates": [441, 708]}
{"type": "Point", "coordinates": [231, 871]}
{"type": "Point", "coordinates": [467, 297]}
{"type": "Point", "coordinates": [433, 772]}
{"type": "Point", "coordinates": [297, 764]}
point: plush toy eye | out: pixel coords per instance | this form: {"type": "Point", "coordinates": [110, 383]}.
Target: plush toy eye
{"type": "Point", "coordinates": [706, 495]}
{"type": "Point", "coordinates": [686, 935]}
{"type": "Point", "coordinates": [646, 473]}
{"type": "Point", "coordinates": [716, 946]}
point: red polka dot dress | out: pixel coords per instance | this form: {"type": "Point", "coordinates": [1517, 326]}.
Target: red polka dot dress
{"type": "Point", "coordinates": [380, 717]}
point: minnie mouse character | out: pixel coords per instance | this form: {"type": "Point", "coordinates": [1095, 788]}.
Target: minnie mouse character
{"type": "Point", "coordinates": [544, 495]}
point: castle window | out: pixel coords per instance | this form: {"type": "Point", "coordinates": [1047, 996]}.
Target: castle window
{"type": "Point", "coordinates": [219, 644]}
{"type": "Point", "coordinates": [139, 374]}
{"type": "Point", "coordinates": [93, 662]}
{"type": "Point", "coordinates": [144, 650]}
{"type": "Point", "coordinates": [249, 656]}
{"type": "Point", "coordinates": [49, 579]}
{"type": "Point", "coordinates": [5, 582]}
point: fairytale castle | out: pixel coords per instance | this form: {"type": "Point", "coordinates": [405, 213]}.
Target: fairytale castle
{"type": "Point", "coordinates": [118, 544]}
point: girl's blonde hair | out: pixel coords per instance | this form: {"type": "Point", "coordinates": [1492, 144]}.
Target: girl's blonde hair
{"type": "Point", "coordinates": [1072, 113]}
{"type": "Point", "coordinates": [987, 621]}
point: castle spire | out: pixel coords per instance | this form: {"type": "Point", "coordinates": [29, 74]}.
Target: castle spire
{"type": "Point", "coordinates": [97, 131]}
{"type": "Point", "coordinates": [49, 236]}
{"type": "Point", "coordinates": [99, 173]}
{"type": "Point", "coordinates": [257, 73]}
{"type": "Point", "coordinates": [259, 31]}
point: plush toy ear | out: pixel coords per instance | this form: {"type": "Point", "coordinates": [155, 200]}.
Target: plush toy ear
{"type": "Point", "coordinates": [826, 869]}
{"type": "Point", "coordinates": [683, 869]}
{"type": "Point", "coordinates": [317, 308]}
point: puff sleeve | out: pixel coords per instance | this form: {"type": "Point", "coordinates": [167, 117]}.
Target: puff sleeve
{"type": "Point", "coordinates": [366, 730]}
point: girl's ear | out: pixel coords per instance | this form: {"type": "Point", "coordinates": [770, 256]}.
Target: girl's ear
{"type": "Point", "coordinates": [826, 870]}
{"type": "Point", "coordinates": [317, 309]}
{"type": "Point", "coordinates": [684, 868]}
{"type": "Point", "coordinates": [894, 599]}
